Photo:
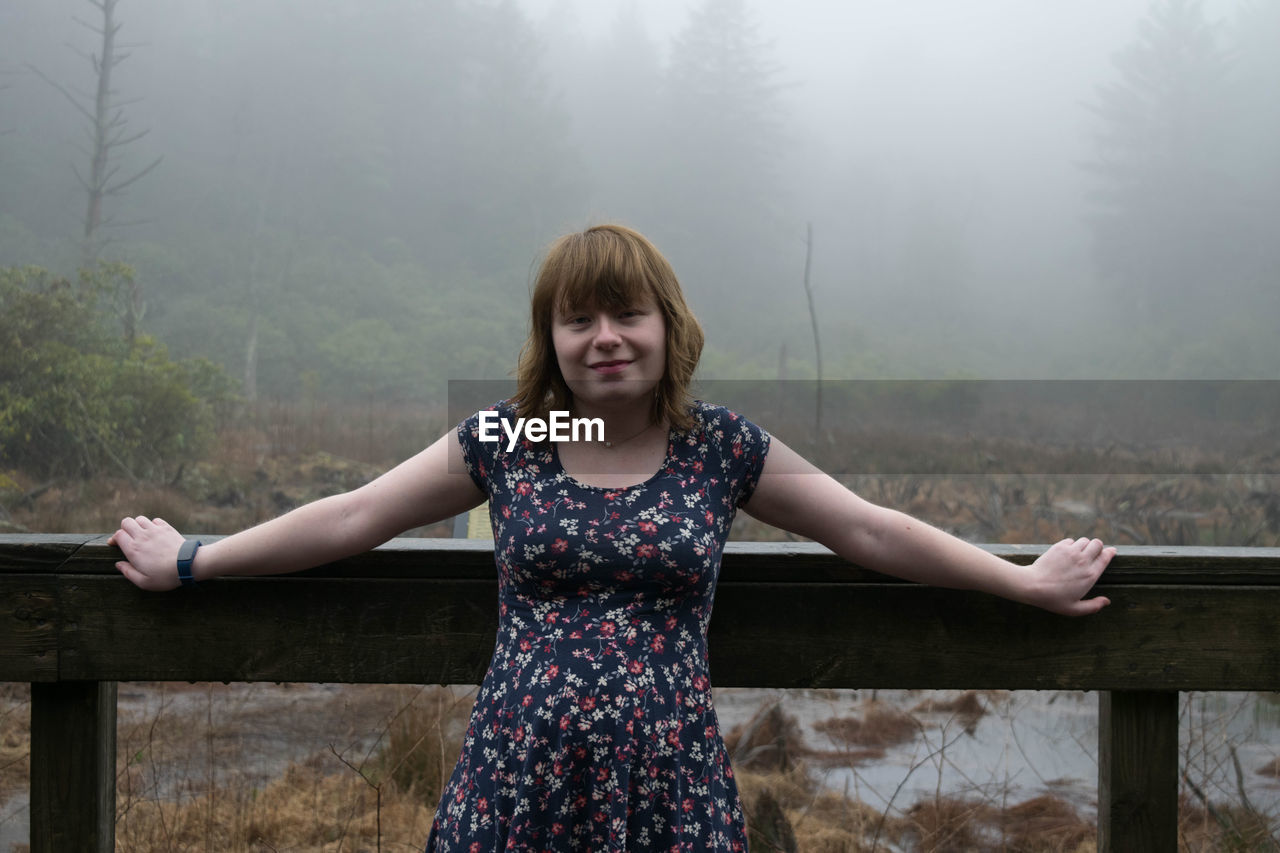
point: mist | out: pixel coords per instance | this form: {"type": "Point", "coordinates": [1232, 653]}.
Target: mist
{"type": "Point", "coordinates": [352, 197]}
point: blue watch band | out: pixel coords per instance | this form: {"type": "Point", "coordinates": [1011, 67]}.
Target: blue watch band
{"type": "Point", "coordinates": [186, 556]}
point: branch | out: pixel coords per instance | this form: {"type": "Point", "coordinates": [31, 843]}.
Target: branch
{"type": "Point", "coordinates": [64, 92]}
{"type": "Point", "coordinates": [117, 141]}
{"type": "Point", "coordinates": [75, 170]}
{"type": "Point", "coordinates": [1244, 798]}
{"type": "Point", "coordinates": [115, 189]}
{"type": "Point", "coordinates": [86, 25]}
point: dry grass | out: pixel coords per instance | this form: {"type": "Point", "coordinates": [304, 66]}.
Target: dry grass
{"type": "Point", "coordinates": [173, 794]}
{"type": "Point", "coordinates": [15, 738]}
{"type": "Point", "coordinates": [880, 725]}
{"type": "Point", "coordinates": [966, 708]}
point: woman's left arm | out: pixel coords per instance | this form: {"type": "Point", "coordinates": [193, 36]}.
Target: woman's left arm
{"type": "Point", "coordinates": [796, 496]}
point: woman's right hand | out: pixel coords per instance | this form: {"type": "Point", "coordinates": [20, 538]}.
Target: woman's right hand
{"type": "Point", "coordinates": [150, 548]}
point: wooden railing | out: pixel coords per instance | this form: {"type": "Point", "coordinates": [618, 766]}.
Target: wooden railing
{"type": "Point", "coordinates": [786, 615]}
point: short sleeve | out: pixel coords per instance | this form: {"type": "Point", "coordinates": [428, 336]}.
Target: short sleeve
{"type": "Point", "coordinates": [735, 447]}
{"type": "Point", "coordinates": [478, 456]}
{"type": "Point", "coordinates": [748, 447]}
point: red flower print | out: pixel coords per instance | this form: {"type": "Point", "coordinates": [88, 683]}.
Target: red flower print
{"type": "Point", "coordinates": [607, 628]}
{"type": "Point", "coordinates": [649, 527]}
{"type": "Point", "coordinates": [646, 551]}
{"type": "Point", "coordinates": [657, 643]}
{"type": "Point", "coordinates": [524, 487]}
{"type": "Point", "coordinates": [560, 546]}
{"type": "Point", "coordinates": [588, 703]}
{"type": "Point", "coordinates": [635, 667]}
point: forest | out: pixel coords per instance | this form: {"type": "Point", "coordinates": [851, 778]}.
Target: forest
{"type": "Point", "coordinates": [339, 201]}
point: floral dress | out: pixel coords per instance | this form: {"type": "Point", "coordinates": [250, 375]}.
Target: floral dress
{"type": "Point", "coordinates": [593, 729]}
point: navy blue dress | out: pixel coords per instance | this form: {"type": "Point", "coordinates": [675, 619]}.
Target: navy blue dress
{"type": "Point", "coordinates": [593, 729]}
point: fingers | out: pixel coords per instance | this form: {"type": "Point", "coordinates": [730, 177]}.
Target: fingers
{"type": "Point", "coordinates": [1091, 605]}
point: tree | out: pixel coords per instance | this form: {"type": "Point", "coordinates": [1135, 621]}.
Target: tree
{"type": "Point", "coordinates": [1255, 143]}
{"type": "Point", "coordinates": [1164, 201]}
{"type": "Point", "coordinates": [108, 132]}
{"type": "Point", "coordinates": [721, 144]}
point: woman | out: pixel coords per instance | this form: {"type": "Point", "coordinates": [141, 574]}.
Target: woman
{"type": "Point", "coordinates": [594, 728]}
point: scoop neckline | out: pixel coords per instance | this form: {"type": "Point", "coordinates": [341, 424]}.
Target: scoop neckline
{"type": "Point", "coordinates": [668, 456]}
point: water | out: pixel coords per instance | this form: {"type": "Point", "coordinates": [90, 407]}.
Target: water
{"type": "Point", "coordinates": [1029, 743]}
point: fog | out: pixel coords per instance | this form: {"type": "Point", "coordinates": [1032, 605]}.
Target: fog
{"type": "Point", "coordinates": [353, 196]}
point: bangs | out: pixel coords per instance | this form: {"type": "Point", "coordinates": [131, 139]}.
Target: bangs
{"type": "Point", "coordinates": [606, 275]}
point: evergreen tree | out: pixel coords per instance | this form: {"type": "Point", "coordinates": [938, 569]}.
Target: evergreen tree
{"type": "Point", "coordinates": [722, 134]}
{"type": "Point", "coordinates": [1255, 147]}
{"type": "Point", "coordinates": [1164, 200]}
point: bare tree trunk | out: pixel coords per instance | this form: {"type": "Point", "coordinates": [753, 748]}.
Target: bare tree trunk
{"type": "Point", "coordinates": [104, 63]}
{"type": "Point", "coordinates": [813, 316]}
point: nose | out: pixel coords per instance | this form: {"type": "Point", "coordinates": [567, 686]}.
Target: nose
{"type": "Point", "coordinates": [606, 336]}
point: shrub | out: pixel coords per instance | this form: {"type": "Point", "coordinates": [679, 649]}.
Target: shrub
{"type": "Point", "coordinates": [76, 398]}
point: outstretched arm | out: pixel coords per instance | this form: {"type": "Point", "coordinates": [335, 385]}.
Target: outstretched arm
{"type": "Point", "coordinates": [796, 496]}
{"type": "Point", "coordinates": [430, 487]}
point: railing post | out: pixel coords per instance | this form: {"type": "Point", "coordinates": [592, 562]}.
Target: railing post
{"type": "Point", "coordinates": [1137, 771]}
{"type": "Point", "coordinates": [73, 766]}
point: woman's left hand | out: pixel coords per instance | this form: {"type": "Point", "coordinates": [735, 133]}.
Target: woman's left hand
{"type": "Point", "coordinates": [1063, 574]}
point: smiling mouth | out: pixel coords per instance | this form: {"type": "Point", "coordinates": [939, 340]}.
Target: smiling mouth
{"type": "Point", "coordinates": [609, 366]}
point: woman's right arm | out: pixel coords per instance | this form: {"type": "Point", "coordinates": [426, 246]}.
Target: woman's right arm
{"type": "Point", "coordinates": [430, 487]}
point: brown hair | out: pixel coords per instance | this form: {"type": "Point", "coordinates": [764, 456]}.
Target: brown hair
{"type": "Point", "coordinates": [606, 266]}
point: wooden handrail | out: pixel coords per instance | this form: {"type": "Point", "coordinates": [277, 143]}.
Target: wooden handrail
{"type": "Point", "coordinates": [786, 615]}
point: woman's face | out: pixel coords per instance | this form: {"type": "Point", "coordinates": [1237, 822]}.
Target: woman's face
{"type": "Point", "coordinates": [611, 356]}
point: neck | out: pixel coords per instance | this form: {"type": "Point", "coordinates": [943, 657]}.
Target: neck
{"type": "Point", "coordinates": [622, 422]}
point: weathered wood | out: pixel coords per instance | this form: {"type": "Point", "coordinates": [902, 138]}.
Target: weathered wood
{"type": "Point", "coordinates": [836, 635]}
{"type": "Point", "coordinates": [25, 553]}
{"type": "Point", "coordinates": [73, 767]}
{"type": "Point", "coordinates": [279, 629]}
{"type": "Point", "coordinates": [763, 562]}
{"type": "Point", "coordinates": [28, 628]}
{"type": "Point", "coordinates": [1137, 771]}
{"type": "Point", "coordinates": [762, 635]}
